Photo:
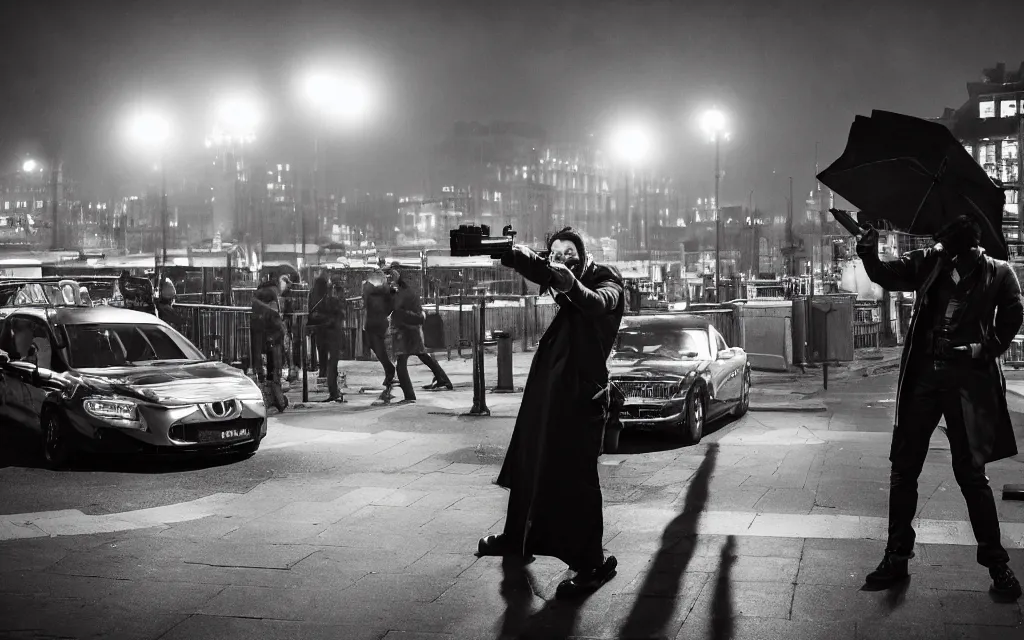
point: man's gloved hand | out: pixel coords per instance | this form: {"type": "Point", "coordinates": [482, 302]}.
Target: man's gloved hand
{"type": "Point", "coordinates": [868, 240]}
{"type": "Point", "coordinates": [562, 277]}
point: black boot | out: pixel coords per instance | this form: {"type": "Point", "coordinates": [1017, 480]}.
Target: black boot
{"type": "Point", "coordinates": [588, 580]}
{"type": "Point", "coordinates": [893, 569]}
{"type": "Point", "coordinates": [1005, 585]}
{"type": "Point", "coordinates": [494, 545]}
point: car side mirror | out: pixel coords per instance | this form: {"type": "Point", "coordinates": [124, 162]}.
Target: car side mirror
{"type": "Point", "coordinates": [725, 354]}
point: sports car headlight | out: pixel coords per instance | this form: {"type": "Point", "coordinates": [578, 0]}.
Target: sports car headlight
{"type": "Point", "coordinates": [113, 410]}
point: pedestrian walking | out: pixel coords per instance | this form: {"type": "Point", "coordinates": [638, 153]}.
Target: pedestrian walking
{"type": "Point", "coordinates": [315, 322]}
{"type": "Point", "coordinates": [967, 311]}
{"type": "Point", "coordinates": [268, 327]}
{"type": "Point", "coordinates": [407, 337]}
{"type": "Point", "coordinates": [550, 469]}
{"type": "Point", "coordinates": [378, 303]}
{"type": "Point", "coordinates": [328, 315]}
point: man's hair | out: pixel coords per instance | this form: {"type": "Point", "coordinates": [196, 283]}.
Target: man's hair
{"type": "Point", "coordinates": [961, 226]}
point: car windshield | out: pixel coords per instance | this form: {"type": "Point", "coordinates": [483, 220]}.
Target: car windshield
{"type": "Point", "coordinates": [99, 346]}
{"type": "Point", "coordinates": [671, 343]}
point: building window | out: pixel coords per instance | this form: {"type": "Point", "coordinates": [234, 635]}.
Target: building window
{"type": "Point", "coordinates": [970, 149]}
{"type": "Point", "coordinates": [7, 205]}
{"type": "Point", "coordinates": [1007, 108]}
{"type": "Point", "coordinates": [1012, 198]}
{"type": "Point", "coordinates": [987, 159]}
{"type": "Point", "coordinates": [1008, 163]}
{"type": "Point", "coordinates": [39, 204]}
{"type": "Point", "coordinates": [987, 109]}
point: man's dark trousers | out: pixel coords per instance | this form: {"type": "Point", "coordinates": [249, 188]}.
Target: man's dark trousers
{"type": "Point", "coordinates": [933, 391]}
{"type": "Point", "coordinates": [377, 344]}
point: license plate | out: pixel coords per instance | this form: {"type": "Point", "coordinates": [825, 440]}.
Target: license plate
{"type": "Point", "coordinates": [209, 435]}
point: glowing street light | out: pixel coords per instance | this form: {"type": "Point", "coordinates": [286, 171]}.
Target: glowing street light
{"type": "Point", "coordinates": [714, 124]}
{"type": "Point", "coordinates": [236, 121]}
{"type": "Point", "coordinates": [30, 165]}
{"type": "Point", "coordinates": [337, 96]}
{"type": "Point", "coordinates": [633, 144]}
{"type": "Point", "coordinates": [151, 131]}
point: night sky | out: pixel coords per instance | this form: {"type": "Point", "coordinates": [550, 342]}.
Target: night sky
{"type": "Point", "coordinates": [789, 73]}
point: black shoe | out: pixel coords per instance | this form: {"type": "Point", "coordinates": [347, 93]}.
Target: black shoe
{"type": "Point", "coordinates": [437, 386]}
{"type": "Point", "coordinates": [1005, 585]}
{"type": "Point", "coordinates": [430, 387]}
{"type": "Point", "coordinates": [494, 545]}
{"type": "Point", "coordinates": [587, 581]}
{"type": "Point", "coordinates": [893, 569]}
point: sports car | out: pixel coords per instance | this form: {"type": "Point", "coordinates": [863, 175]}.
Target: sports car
{"type": "Point", "coordinates": [676, 372]}
{"type": "Point", "coordinates": [110, 379]}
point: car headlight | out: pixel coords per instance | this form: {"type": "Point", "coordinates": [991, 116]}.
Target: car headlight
{"type": "Point", "coordinates": [116, 411]}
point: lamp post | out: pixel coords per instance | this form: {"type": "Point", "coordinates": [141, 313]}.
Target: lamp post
{"type": "Point", "coordinates": [336, 98]}
{"type": "Point", "coordinates": [151, 131]}
{"type": "Point", "coordinates": [235, 123]}
{"type": "Point", "coordinates": [632, 144]}
{"type": "Point", "coordinates": [714, 123]}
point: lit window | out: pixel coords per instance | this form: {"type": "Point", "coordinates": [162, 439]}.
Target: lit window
{"type": "Point", "coordinates": [1007, 108]}
{"type": "Point", "coordinates": [1008, 163]}
{"type": "Point", "coordinates": [987, 109]}
{"type": "Point", "coordinates": [970, 149]}
{"type": "Point", "coordinates": [1012, 200]}
{"type": "Point", "coordinates": [7, 205]}
{"type": "Point", "coordinates": [279, 167]}
{"type": "Point", "coordinates": [39, 204]}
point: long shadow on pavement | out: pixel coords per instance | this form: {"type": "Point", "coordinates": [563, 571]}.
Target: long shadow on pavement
{"type": "Point", "coordinates": [556, 619]}
{"type": "Point", "coordinates": [721, 610]}
{"type": "Point", "coordinates": [656, 599]}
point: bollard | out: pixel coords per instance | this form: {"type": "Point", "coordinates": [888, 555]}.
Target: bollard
{"type": "Point", "coordinates": [504, 339]}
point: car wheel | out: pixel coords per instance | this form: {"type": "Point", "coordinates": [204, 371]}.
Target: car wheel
{"type": "Point", "coordinates": [58, 448]}
{"type": "Point", "coordinates": [744, 403]}
{"type": "Point", "coordinates": [696, 411]}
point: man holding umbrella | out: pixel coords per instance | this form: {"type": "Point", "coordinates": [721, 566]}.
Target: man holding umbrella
{"type": "Point", "coordinates": [967, 312]}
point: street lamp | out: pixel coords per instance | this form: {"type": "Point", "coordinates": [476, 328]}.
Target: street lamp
{"type": "Point", "coordinates": [713, 122]}
{"type": "Point", "coordinates": [30, 165]}
{"type": "Point", "coordinates": [236, 120]}
{"type": "Point", "coordinates": [151, 131]}
{"type": "Point", "coordinates": [337, 98]}
{"type": "Point", "coordinates": [632, 143]}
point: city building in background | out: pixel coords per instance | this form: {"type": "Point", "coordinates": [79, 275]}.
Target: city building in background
{"type": "Point", "coordinates": [991, 126]}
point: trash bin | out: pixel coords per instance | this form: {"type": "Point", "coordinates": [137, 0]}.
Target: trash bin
{"type": "Point", "coordinates": [504, 339]}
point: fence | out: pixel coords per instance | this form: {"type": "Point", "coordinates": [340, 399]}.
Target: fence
{"type": "Point", "coordinates": [867, 326]}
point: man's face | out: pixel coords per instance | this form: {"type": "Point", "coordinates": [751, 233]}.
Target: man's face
{"type": "Point", "coordinates": [282, 284]}
{"type": "Point", "coordinates": [564, 251]}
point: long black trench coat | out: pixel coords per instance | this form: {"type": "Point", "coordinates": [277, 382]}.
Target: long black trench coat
{"type": "Point", "coordinates": [550, 468]}
{"type": "Point", "coordinates": [995, 307]}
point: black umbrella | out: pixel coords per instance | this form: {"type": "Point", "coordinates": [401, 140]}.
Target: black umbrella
{"type": "Point", "coordinates": [916, 175]}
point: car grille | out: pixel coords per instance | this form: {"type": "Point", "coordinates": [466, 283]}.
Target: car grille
{"type": "Point", "coordinates": [647, 390]}
{"type": "Point", "coordinates": [211, 432]}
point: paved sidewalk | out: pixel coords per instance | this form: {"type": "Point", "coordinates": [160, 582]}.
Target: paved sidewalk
{"type": "Point", "coordinates": [765, 530]}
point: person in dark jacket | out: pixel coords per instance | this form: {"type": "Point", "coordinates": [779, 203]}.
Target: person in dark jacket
{"type": "Point", "coordinates": [268, 329]}
{"type": "Point", "coordinates": [316, 321]}
{"type": "Point", "coordinates": [967, 311]}
{"type": "Point", "coordinates": [407, 337]}
{"type": "Point", "coordinates": [165, 306]}
{"type": "Point", "coordinates": [550, 468]}
{"type": "Point", "coordinates": [328, 317]}
{"type": "Point", "coordinates": [378, 303]}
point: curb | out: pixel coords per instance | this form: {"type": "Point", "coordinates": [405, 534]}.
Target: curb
{"type": "Point", "coordinates": [788, 408]}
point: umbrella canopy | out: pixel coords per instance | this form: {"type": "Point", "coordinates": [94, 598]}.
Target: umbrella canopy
{"type": "Point", "coordinates": [916, 175]}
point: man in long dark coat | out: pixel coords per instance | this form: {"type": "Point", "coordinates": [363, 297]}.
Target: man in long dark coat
{"type": "Point", "coordinates": [550, 469]}
{"type": "Point", "coordinates": [966, 313]}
